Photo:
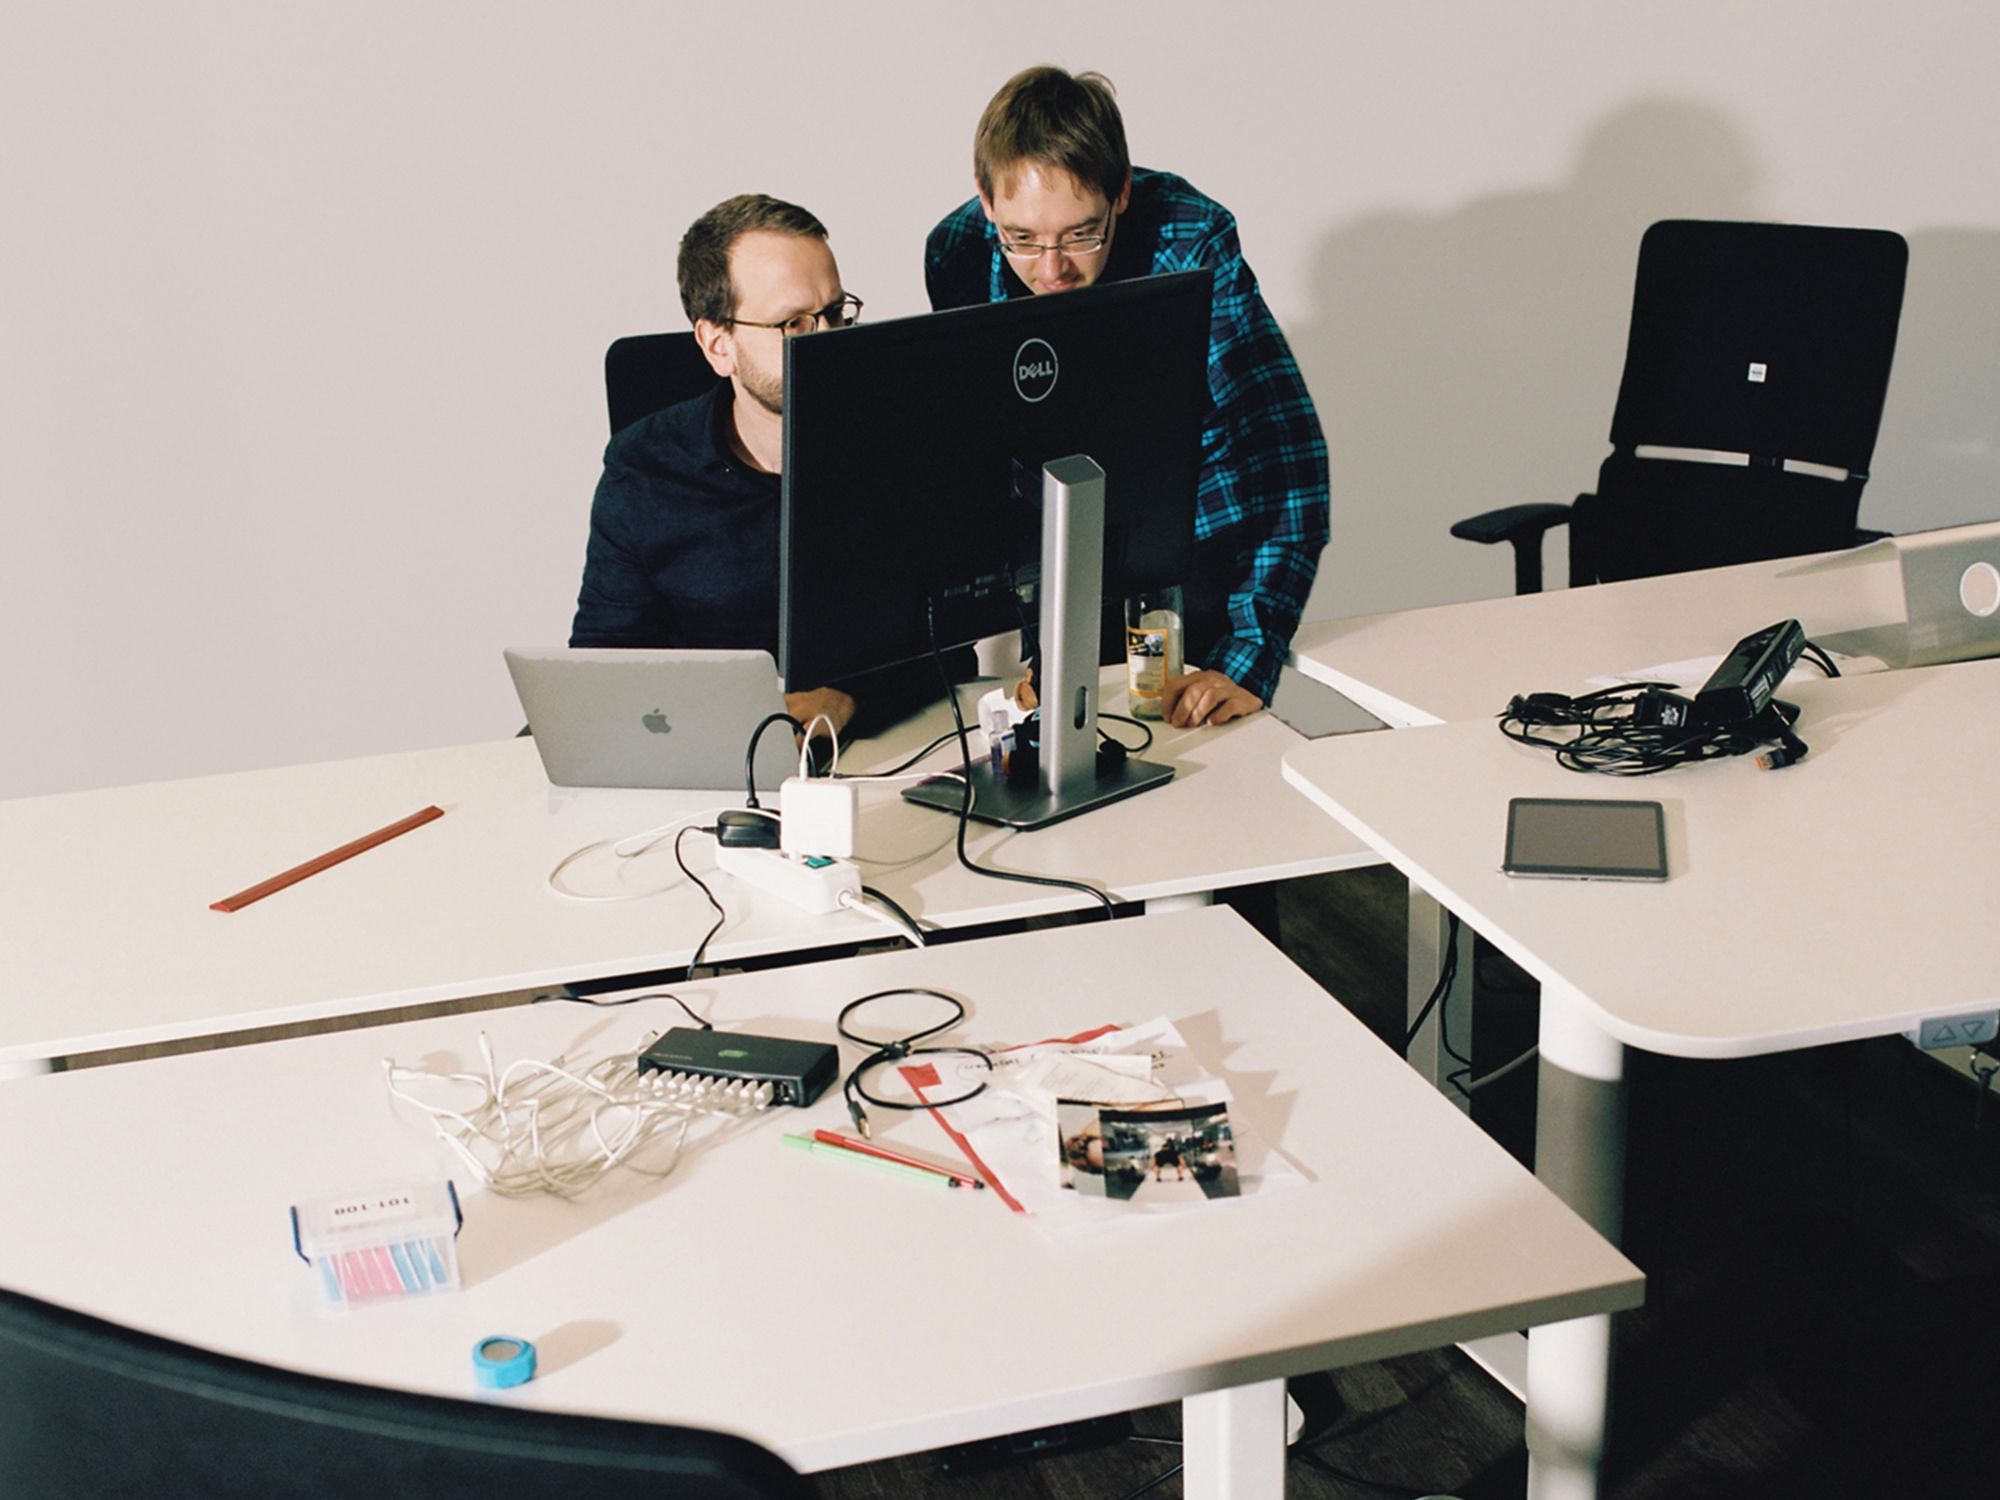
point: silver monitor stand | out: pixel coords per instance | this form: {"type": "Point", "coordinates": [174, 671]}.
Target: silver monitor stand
{"type": "Point", "coordinates": [1068, 779]}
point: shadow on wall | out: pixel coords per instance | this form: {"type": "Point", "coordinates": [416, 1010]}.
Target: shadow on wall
{"type": "Point", "coordinates": [1936, 462]}
{"type": "Point", "coordinates": [1470, 360]}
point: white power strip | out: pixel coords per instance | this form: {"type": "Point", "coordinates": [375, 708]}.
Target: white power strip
{"type": "Point", "coordinates": [812, 885]}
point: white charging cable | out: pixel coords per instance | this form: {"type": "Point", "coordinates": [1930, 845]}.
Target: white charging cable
{"type": "Point", "coordinates": [805, 746]}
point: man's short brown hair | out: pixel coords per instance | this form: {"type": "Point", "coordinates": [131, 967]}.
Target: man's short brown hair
{"type": "Point", "coordinates": [706, 290]}
{"type": "Point", "coordinates": [1058, 119]}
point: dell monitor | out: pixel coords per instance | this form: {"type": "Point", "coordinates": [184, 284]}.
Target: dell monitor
{"type": "Point", "coordinates": [935, 466]}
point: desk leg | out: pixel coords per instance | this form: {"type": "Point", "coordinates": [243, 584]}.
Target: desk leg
{"type": "Point", "coordinates": [1183, 902]}
{"type": "Point", "coordinates": [1430, 930]}
{"type": "Point", "coordinates": [26, 1067]}
{"type": "Point", "coordinates": [1233, 1442]}
{"type": "Point", "coordinates": [1580, 1156]}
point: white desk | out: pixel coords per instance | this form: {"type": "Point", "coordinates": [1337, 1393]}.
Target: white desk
{"type": "Point", "coordinates": [1464, 661]}
{"type": "Point", "coordinates": [837, 1316]}
{"type": "Point", "coordinates": [108, 940]}
{"type": "Point", "coordinates": [1847, 896]}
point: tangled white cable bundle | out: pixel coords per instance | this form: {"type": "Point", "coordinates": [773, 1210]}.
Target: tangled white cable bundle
{"type": "Point", "coordinates": [557, 1127]}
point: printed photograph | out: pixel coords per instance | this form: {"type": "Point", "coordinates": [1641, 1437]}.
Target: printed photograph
{"type": "Point", "coordinates": [1152, 1155]}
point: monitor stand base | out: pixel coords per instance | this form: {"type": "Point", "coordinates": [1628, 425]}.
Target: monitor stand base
{"type": "Point", "coordinates": [996, 801]}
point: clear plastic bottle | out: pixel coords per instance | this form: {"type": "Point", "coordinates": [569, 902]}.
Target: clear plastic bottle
{"type": "Point", "coordinates": [1153, 647]}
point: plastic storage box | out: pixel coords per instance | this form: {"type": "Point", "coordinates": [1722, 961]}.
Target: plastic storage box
{"type": "Point", "coordinates": [381, 1243]}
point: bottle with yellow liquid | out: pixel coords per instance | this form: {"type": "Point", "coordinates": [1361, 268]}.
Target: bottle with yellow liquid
{"type": "Point", "coordinates": [1153, 647]}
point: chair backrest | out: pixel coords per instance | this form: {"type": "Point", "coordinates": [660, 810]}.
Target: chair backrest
{"type": "Point", "coordinates": [1773, 341]}
{"type": "Point", "coordinates": [89, 1408]}
{"type": "Point", "coordinates": [648, 372]}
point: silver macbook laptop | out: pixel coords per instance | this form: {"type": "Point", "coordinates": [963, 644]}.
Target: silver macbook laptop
{"type": "Point", "coordinates": [1951, 597]}
{"type": "Point", "coordinates": [672, 720]}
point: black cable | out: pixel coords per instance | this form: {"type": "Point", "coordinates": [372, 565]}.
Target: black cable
{"type": "Point", "coordinates": [1444, 1009]}
{"type": "Point", "coordinates": [1139, 749]}
{"type": "Point", "coordinates": [1464, 1067]}
{"type": "Point", "coordinates": [1643, 728]}
{"type": "Point", "coordinates": [965, 787]}
{"type": "Point", "coordinates": [721, 916]}
{"type": "Point", "coordinates": [1820, 658]}
{"type": "Point", "coordinates": [1985, 1077]}
{"type": "Point", "coordinates": [1447, 972]}
{"type": "Point", "coordinates": [750, 753]}
{"type": "Point", "coordinates": [628, 1000]}
{"type": "Point", "coordinates": [907, 920]}
{"type": "Point", "coordinates": [896, 1050]}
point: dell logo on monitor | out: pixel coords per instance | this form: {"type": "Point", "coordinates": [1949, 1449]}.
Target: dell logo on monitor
{"type": "Point", "coordinates": [1034, 370]}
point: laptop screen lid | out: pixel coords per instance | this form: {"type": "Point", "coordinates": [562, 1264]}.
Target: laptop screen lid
{"type": "Point", "coordinates": [667, 720]}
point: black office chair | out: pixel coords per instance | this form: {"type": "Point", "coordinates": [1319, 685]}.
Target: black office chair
{"type": "Point", "coordinates": [649, 372]}
{"type": "Point", "coordinates": [89, 1409]}
{"type": "Point", "coordinates": [1771, 341]}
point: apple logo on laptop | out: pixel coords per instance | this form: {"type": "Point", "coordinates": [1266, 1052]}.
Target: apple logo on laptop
{"type": "Point", "coordinates": [656, 723]}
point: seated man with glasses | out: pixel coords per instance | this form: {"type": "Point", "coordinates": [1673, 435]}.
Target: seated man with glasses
{"type": "Point", "coordinates": [1060, 206]}
{"type": "Point", "coordinates": [683, 545]}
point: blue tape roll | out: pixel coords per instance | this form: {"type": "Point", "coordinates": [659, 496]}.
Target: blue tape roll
{"type": "Point", "coordinates": [503, 1360]}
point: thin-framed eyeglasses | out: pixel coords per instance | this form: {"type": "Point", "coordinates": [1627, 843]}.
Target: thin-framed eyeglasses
{"type": "Point", "coordinates": [1070, 244]}
{"type": "Point", "coordinates": [843, 312]}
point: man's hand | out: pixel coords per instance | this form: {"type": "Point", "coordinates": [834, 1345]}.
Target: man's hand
{"type": "Point", "coordinates": [831, 703]}
{"type": "Point", "coordinates": [1206, 697]}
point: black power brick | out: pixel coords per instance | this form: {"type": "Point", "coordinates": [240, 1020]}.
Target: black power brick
{"type": "Point", "coordinates": [1746, 682]}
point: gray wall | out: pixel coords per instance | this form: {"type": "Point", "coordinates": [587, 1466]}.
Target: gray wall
{"type": "Point", "coordinates": [302, 307]}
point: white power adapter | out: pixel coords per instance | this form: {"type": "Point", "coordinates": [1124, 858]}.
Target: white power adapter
{"type": "Point", "coordinates": [816, 817]}
{"type": "Point", "coordinates": [814, 884]}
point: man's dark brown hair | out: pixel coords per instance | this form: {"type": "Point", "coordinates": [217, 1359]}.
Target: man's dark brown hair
{"type": "Point", "coordinates": [706, 291]}
{"type": "Point", "coordinates": [1058, 119]}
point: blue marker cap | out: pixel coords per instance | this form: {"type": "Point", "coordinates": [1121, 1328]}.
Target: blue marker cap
{"type": "Point", "coordinates": [503, 1360]}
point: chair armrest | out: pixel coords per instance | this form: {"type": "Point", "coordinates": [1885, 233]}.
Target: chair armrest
{"type": "Point", "coordinates": [1524, 526]}
{"type": "Point", "coordinates": [1513, 523]}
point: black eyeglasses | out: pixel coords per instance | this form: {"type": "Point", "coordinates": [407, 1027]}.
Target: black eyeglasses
{"type": "Point", "coordinates": [1069, 244]}
{"type": "Point", "coordinates": [844, 312]}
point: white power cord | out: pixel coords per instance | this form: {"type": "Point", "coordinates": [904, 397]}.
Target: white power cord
{"type": "Point", "coordinates": [852, 902]}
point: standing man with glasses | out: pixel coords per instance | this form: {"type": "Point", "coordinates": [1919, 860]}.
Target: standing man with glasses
{"type": "Point", "coordinates": [683, 545]}
{"type": "Point", "coordinates": [1060, 207]}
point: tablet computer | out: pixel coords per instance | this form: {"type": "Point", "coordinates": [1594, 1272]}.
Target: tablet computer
{"type": "Point", "coordinates": [1578, 838]}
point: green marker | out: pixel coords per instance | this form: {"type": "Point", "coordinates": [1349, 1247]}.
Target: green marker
{"type": "Point", "coordinates": [855, 1158]}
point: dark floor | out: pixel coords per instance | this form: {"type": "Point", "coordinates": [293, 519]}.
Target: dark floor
{"type": "Point", "coordinates": [1821, 1237]}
